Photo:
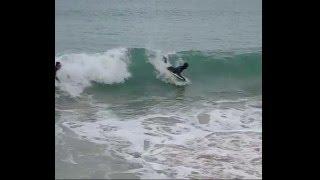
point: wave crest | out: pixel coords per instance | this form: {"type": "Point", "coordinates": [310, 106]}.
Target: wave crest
{"type": "Point", "coordinates": [79, 70]}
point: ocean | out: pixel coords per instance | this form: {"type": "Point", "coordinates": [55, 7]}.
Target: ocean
{"type": "Point", "coordinates": [120, 114]}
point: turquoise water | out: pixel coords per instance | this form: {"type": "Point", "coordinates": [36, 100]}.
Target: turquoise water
{"type": "Point", "coordinates": [119, 112]}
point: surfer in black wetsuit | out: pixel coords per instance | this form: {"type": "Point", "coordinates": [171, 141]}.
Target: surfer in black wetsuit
{"type": "Point", "coordinates": [58, 66]}
{"type": "Point", "coordinates": [177, 70]}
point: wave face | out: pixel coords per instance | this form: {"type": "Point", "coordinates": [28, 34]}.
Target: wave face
{"type": "Point", "coordinates": [134, 70]}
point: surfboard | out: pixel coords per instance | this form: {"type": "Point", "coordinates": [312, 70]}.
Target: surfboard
{"type": "Point", "coordinates": [176, 75]}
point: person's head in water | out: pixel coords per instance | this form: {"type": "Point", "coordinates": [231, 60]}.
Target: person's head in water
{"type": "Point", "coordinates": [58, 65]}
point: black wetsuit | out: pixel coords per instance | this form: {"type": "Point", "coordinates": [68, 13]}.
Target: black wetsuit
{"type": "Point", "coordinates": [55, 73]}
{"type": "Point", "coordinates": [178, 70]}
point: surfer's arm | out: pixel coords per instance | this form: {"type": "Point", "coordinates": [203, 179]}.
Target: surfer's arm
{"type": "Point", "coordinates": [164, 59]}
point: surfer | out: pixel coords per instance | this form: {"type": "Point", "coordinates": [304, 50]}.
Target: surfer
{"type": "Point", "coordinates": [177, 70]}
{"type": "Point", "coordinates": [58, 66]}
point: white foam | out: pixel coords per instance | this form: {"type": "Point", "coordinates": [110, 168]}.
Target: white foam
{"type": "Point", "coordinates": [79, 70]}
{"type": "Point", "coordinates": [179, 144]}
{"type": "Point", "coordinates": [69, 159]}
